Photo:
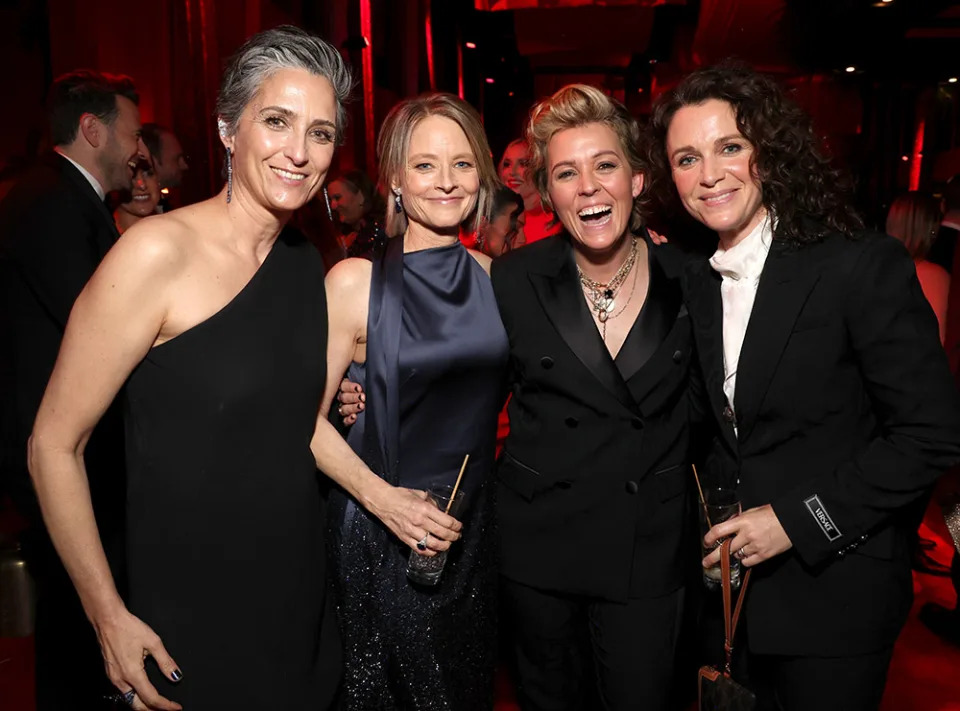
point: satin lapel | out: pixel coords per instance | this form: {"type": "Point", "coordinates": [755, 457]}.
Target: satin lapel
{"type": "Point", "coordinates": [109, 235]}
{"type": "Point", "coordinates": [702, 286]}
{"type": "Point", "coordinates": [562, 300]}
{"type": "Point", "coordinates": [786, 282]}
{"type": "Point", "coordinates": [653, 323]}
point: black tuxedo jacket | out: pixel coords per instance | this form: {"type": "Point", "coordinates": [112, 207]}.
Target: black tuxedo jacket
{"type": "Point", "coordinates": [54, 230]}
{"type": "Point", "coordinates": [593, 495]}
{"type": "Point", "coordinates": [845, 414]}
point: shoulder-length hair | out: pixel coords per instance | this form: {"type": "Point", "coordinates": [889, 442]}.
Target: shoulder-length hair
{"type": "Point", "coordinates": [806, 195]}
{"type": "Point", "coordinates": [394, 144]}
{"type": "Point", "coordinates": [914, 219]}
{"type": "Point", "coordinates": [577, 105]}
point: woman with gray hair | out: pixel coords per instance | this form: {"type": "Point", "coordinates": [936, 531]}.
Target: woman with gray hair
{"type": "Point", "coordinates": [215, 319]}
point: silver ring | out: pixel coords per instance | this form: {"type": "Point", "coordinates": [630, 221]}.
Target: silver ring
{"type": "Point", "coordinates": [129, 696]}
{"type": "Point", "coordinates": [422, 543]}
{"type": "Point", "coordinates": [740, 554]}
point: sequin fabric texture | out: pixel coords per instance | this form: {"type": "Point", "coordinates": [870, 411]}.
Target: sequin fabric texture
{"type": "Point", "coordinates": [436, 354]}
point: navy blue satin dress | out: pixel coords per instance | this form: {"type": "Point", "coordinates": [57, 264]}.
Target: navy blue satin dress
{"type": "Point", "coordinates": [436, 358]}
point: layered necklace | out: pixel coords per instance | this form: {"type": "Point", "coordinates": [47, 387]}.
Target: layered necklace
{"type": "Point", "coordinates": [603, 297]}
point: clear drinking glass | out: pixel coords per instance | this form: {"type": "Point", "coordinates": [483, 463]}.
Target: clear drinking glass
{"type": "Point", "coordinates": [719, 504]}
{"type": "Point", "coordinates": [426, 570]}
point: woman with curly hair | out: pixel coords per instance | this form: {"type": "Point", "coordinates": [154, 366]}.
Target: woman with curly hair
{"type": "Point", "coordinates": [843, 414]}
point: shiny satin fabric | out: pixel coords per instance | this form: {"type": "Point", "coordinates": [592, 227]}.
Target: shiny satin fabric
{"type": "Point", "coordinates": [436, 354]}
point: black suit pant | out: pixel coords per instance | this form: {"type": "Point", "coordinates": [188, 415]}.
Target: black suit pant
{"type": "Point", "coordinates": [789, 683]}
{"type": "Point", "coordinates": [553, 635]}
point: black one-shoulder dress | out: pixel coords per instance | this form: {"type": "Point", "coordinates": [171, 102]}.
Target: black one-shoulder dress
{"type": "Point", "coordinates": [227, 559]}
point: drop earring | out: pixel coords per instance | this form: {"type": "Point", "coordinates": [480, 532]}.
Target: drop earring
{"type": "Point", "coordinates": [229, 177]}
{"type": "Point", "coordinates": [398, 204]}
{"type": "Point", "coordinates": [326, 197]}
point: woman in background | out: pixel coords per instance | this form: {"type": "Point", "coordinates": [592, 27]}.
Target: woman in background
{"type": "Point", "coordinates": [914, 219]}
{"type": "Point", "coordinates": [514, 171]}
{"type": "Point", "coordinates": [359, 212]}
{"type": "Point", "coordinates": [142, 200]}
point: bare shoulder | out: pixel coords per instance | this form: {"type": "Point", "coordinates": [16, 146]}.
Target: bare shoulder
{"type": "Point", "coordinates": [349, 277]}
{"type": "Point", "coordinates": [156, 246]}
{"type": "Point", "coordinates": [482, 259]}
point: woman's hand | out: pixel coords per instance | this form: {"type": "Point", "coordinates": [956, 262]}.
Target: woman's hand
{"type": "Point", "coordinates": [126, 642]}
{"type": "Point", "coordinates": [411, 515]}
{"type": "Point", "coordinates": [656, 237]}
{"type": "Point", "coordinates": [757, 536]}
{"type": "Point", "coordinates": [351, 398]}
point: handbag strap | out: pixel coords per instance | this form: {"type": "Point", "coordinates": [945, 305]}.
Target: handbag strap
{"type": "Point", "coordinates": [730, 622]}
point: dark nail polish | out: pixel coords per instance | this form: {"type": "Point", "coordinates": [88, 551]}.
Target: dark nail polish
{"type": "Point", "coordinates": [176, 675]}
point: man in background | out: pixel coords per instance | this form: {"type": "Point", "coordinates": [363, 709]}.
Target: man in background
{"type": "Point", "coordinates": [54, 230]}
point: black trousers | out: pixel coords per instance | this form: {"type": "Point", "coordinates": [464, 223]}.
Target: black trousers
{"type": "Point", "coordinates": [786, 683]}
{"type": "Point", "coordinates": [553, 636]}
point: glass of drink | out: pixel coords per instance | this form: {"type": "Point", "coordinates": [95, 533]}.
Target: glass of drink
{"type": "Point", "coordinates": [719, 504]}
{"type": "Point", "coordinates": [426, 570]}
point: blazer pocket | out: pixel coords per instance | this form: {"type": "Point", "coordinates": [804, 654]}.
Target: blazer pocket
{"type": "Point", "coordinates": [671, 482]}
{"type": "Point", "coordinates": [525, 481]}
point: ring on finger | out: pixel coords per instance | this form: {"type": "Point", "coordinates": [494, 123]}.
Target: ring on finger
{"type": "Point", "coordinates": [740, 554]}
{"type": "Point", "coordinates": [422, 543]}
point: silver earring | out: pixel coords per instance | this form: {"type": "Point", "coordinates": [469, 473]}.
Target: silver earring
{"type": "Point", "coordinates": [398, 204]}
{"type": "Point", "coordinates": [326, 197]}
{"type": "Point", "coordinates": [229, 177]}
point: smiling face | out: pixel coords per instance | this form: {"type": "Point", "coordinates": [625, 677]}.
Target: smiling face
{"type": "Point", "coordinates": [122, 147]}
{"type": "Point", "coordinates": [440, 184]}
{"type": "Point", "coordinates": [513, 170]}
{"type": "Point", "coordinates": [146, 192]}
{"type": "Point", "coordinates": [711, 165]}
{"type": "Point", "coordinates": [346, 202]}
{"type": "Point", "coordinates": [591, 185]}
{"type": "Point", "coordinates": [284, 140]}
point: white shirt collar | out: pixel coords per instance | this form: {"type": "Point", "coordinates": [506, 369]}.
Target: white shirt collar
{"type": "Point", "coordinates": [746, 258]}
{"type": "Point", "coordinates": [94, 183]}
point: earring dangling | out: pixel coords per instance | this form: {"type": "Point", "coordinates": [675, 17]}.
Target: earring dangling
{"type": "Point", "coordinates": [229, 177]}
{"type": "Point", "coordinates": [398, 204]}
{"type": "Point", "coordinates": [326, 197]}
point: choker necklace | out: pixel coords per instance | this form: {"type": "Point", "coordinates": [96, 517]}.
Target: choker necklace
{"type": "Point", "coordinates": [602, 296]}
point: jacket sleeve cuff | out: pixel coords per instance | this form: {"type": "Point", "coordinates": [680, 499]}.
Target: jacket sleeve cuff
{"type": "Point", "coordinates": [809, 526]}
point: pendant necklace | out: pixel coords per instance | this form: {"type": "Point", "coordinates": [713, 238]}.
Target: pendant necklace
{"type": "Point", "coordinates": [602, 296]}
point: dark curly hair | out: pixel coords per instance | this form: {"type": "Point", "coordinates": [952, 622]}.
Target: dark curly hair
{"type": "Point", "coordinates": [808, 197]}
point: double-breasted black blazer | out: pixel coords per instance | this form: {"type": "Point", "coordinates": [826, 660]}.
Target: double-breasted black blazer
{"type": "Point", "coordinates": [845, 414]}
{"type": "Point", "coordinates": [593, 480]}
{"type": "Point", "coordinates": [54, 230]}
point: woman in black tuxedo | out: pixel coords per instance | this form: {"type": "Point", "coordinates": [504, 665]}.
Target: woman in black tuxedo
{"type": "Point", "coordinates": [593, 501]}
{"type": "Point", "coordinates": [593, 478]}
{"type": "Point", "coordinates": [844, 412]}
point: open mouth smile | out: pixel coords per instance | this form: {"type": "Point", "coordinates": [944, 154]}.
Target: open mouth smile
{"type": "Point", "coordinates": [289, 175]}
{"type": "Point", "coordinates": [596, 215]}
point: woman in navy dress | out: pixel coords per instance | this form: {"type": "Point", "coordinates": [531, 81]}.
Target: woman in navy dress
{"type": "Point", "coordinates": [429, 345]}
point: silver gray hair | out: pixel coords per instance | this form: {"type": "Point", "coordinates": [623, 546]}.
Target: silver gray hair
{"type": "Point", "coordinates": [283, 47]}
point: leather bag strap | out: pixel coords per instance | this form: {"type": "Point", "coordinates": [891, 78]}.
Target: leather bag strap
{"type": "Point", "coordinates": [730, 622]}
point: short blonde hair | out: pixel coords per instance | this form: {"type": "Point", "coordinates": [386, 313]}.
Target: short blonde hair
{"type": "Point", "coordinates": [394, 144]}
{"type": "Point", "coordinates": [914, 219]}
{"type": "Point", "coordinates": [577, 105]}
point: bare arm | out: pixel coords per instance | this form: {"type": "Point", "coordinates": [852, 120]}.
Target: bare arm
{"type": "Point", "coordinates": [113, 324]}
{"type": "Point", "coordinates": [405, 511]}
